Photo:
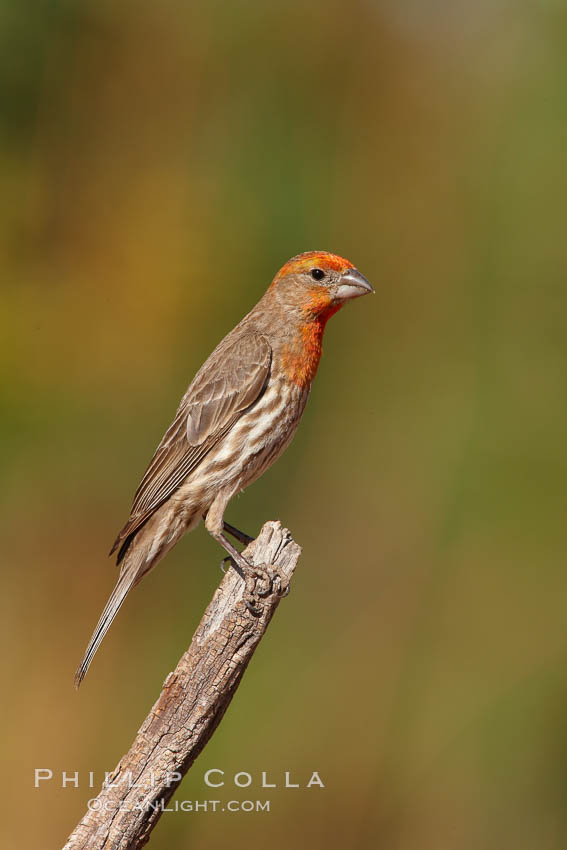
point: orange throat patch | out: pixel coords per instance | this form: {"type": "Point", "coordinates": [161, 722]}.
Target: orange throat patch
{"type": "Point", "coordinates": [300, 358]}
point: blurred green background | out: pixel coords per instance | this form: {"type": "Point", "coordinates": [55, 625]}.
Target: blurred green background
{"type": "Point", "coordinates": [158, 164]}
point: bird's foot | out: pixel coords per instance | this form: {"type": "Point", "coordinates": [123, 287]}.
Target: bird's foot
{"type": "Point", "coordinates": [260, 582]}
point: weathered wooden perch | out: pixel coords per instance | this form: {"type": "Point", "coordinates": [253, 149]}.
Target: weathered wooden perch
{"type": "Point", "coordinates": [191, 705]}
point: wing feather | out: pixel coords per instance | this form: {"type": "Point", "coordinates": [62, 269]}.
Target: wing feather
{"type": "Point", "coordinates": [229, 382]}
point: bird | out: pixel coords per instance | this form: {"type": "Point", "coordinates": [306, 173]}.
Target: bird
{"type": "Point", "coordinates": [239, 414]}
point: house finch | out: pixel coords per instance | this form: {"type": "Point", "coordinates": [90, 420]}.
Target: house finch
{"type": "Point", "coordinates": [238, 415]}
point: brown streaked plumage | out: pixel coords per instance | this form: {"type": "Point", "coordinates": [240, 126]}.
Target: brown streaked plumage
{"type": "Point", "coordinates": [238, 415]}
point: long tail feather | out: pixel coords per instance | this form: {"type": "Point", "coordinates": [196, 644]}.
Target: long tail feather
{"type": "Point", "coordinates": [127, 579]}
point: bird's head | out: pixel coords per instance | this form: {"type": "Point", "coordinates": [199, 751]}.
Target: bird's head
{"type": "Point", "coordinates": [320, 282]}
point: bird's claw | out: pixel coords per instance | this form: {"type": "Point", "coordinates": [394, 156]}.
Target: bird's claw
{"type": "Point", "coordinates": [255, 610]}
{"type": "Point", "coordinates": [226, 563]}
{"type": "Point", "coordinates": [277, 581]}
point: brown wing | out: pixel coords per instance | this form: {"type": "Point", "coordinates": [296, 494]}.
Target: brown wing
{"type": "Point", "coordinates": [229, 382]}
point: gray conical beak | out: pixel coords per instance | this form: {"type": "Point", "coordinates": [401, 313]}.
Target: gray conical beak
{"type": "Point", "coordinates": [352, 284]}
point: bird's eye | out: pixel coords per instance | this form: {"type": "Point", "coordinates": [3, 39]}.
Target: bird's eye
{"type": "Point", "coordinates": [317, 274]}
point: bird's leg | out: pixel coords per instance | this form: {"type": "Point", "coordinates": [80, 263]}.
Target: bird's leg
{"type": "Point", "coordinates": [240, 564]}
{"type": "Point", "coordinates": [244, 538]}
{"type": "Point", "coordinates": [238, 535]}
{"type": "Point", "coordinates": [249, 573]}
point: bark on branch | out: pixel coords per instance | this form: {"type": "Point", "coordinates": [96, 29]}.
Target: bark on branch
{"type": "Point", "coordinates": [191, 705]}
